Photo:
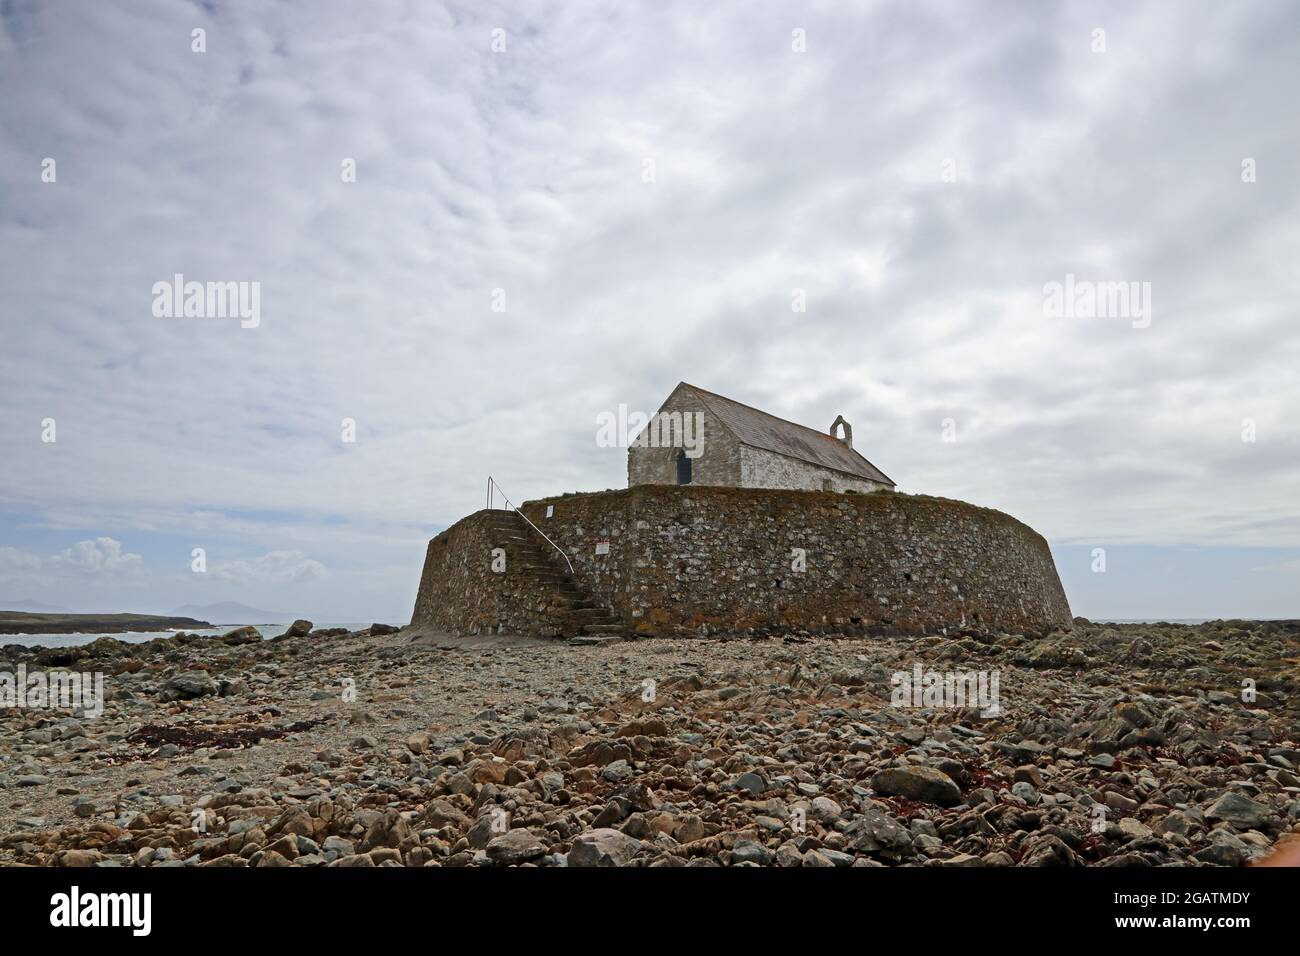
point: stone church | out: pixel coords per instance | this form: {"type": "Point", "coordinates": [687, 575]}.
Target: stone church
{"type": "Point", "coordinates": [701, 438]}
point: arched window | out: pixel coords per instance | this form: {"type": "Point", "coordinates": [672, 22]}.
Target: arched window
{"type": "Point", "coordinates": [683, 467]}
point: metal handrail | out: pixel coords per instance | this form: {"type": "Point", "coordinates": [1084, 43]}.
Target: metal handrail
{"type": "Point", "coordinates": [491, 501]}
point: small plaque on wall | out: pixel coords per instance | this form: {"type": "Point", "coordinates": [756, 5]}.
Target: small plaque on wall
{"type": "Point", "coordinates": [602, 547]}
{"type": "Point", "coordinates": [550, 510]}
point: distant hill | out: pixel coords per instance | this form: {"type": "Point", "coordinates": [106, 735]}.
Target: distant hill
{"type": "Point", "coordinates": [232, 612]}
{"type": "Point", "coordinates": [33, 607]}
{"type": "Point", "coordinates": [29, 622]}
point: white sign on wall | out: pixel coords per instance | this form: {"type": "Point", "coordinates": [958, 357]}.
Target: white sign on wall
{"type": "Point", "coordinates": [602, 547]}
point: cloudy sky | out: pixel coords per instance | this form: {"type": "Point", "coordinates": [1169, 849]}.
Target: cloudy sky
{"type": "Point", "coordinates": [559, 208]}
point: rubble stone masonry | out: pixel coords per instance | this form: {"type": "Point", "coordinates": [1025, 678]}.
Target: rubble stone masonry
{"type": "Point", "coordinates": [688, 560]}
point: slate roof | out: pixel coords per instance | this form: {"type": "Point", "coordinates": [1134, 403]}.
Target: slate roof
{"type": "Point", "coordinates": [758, 429]}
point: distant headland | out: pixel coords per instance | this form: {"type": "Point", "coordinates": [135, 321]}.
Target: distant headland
{"type": "Point", "coordinates": [24, 622]}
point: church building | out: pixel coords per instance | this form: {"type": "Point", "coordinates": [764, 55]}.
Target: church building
{"type": "Point", "coordinates": [701, 438]}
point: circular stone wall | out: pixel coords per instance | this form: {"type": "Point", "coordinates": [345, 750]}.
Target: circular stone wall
{"type": "Point", "coordinates": [669, 560]}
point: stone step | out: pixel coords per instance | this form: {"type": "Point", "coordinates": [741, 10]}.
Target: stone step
{"type": "Point", "coordinates": [594, 614]}
{"type": "Point", "coordinates": [576, 613]}
{"type": "Point", "coordinates": [559, 586]}
{"type": "Point", "coordinates": [541, 562]}
{"type": "Point", "coordinates": [565, 590]}
{"type": "Point", "coordinates": [546, 574]}
{"type": "Point", "coordinates": [590, 627]}
{"type": "Point", "coordinates": [517, 550]}
{"type": "Point", "coordinates": [596, 640]}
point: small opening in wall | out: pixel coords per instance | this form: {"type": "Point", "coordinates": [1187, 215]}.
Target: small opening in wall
{"type": "Point", "coordinates": [776, 583]}
{"type": "Point", "coordinates": [683, 467]}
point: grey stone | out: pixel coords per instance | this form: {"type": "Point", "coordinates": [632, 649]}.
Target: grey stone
{"type": "Point", "coordinates": [603, 847]}
{"type": "Point", "coordinates": [188, 686]}
{"type": "Point", "coordinates": [750, 851]}
{"type": "Point", "coordinates": [1239, 811]}
{"type": "Point", "coordinates": [514, 847]}
{"type": "Point", "coordinates": [922, 784]}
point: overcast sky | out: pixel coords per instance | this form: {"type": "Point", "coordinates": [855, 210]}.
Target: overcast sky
{"type": "Point", "coordinates": [561, 207]}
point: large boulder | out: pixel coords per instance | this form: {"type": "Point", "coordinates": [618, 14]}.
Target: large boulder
{"type": "Point", "coordinates": [242, 635]}
{"type": "Point", "coordinates": [877, 832]}
{"type": "Point", "coordinates": [1239, 811]}
{"type": "Point", "coordinates": [603, 847]}
{"type": "Point", "coordinates": [298, 628]}
{"type": "Point", "coordinates": [922, 784]}
{"type": "Point", "coordinates": [440, 813]}
{"type": "Point", "coordinates": [515, 847]}
{"type": "Point", "coordinates": [188, 686]}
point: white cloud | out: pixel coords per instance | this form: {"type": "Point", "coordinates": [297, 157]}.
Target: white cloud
{"type": "Point", "coordinates": [100, 557]}
{"type": "Point", "coordinates": [12, 561]}
{"type": "Point", "coordinates": [523, 171]}
{"type": "Point", "coordinates": [275, 567]}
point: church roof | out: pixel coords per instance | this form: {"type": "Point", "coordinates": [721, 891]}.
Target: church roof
{"type": "Point", "coordinates": [758, 429]}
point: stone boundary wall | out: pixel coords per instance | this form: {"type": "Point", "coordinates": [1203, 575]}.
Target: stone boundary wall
{"type": "Point", "coordinates": [461, 594]}
{"type": "Point", "coordinates": [688, 560]}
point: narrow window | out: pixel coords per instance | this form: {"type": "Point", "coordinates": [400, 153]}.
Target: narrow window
{"type": "Point", "coordinates": [683, 468]}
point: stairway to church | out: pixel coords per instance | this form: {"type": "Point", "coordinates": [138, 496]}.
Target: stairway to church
{"type": "Point", "coordinates": [577, 614]}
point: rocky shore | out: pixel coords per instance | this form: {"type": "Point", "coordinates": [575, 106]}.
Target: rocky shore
{"type": "Point", "coordinates": [1104, 745]}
